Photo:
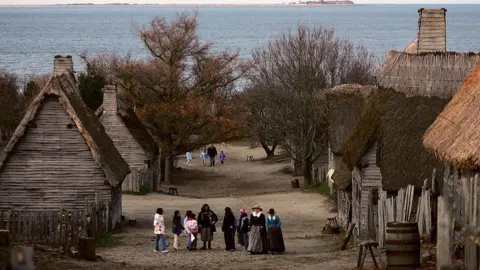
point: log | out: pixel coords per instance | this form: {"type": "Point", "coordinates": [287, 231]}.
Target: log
{"type": "Point", "coordinates": [348, 235]}
{"type": "Point", "coordinates": [295, 183]}
{"type": "Point", "coordinates": [86, 248]}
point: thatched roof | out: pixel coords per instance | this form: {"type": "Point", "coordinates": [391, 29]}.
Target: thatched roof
{"type": "Point", "coordinates": [342, 176]}
{"type": "Point", "coordinates": [344, 105]}
{"type": "Point", "coordinates": [134, 126]}
{"type": "Point", "coordinates": [104, 152]}
{"type": "Point", "coordinates": [455, 134]}
{"type": "Point", "coordinates": [397, 123]}
{"type": "Point", "coordinates": [428, 75]}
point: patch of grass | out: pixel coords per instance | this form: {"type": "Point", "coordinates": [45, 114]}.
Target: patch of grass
{"type": "Point", "coordinates": [107, 241]}
{"type": "Point", "coordinates": [143, 191]}
{"type": "Point", "coordinates": [323, 189]}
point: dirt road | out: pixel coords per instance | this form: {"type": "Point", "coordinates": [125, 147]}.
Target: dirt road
{"type": "Point", "coordinates": [236, 184]}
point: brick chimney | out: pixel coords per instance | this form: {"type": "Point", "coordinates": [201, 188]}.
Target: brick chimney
{"type": "Point", "coordinates": [432, 30]}
{"type": "Point", "coordinates": [110, 98]}
{"type": "Point", "coordinates": [63, 65]}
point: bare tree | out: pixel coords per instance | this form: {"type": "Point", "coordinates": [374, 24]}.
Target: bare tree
{"type": "Point", "coordinates": [183, 92]}
{"type": "Point", "coordinates": [294, 71]}
{"type": "Point", "coordinates": [259, 120]}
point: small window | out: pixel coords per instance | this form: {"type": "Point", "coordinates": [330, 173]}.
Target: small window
{"type": "Point", "coordinates": [70, 125]}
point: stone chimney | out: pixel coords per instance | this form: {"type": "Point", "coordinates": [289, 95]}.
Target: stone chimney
{"type": "Point", "coordinates": [63, 65]}
{"type": "Point", "coordinates": [432, 30]}
{"type": "Point", "coordinates": [110, 98]}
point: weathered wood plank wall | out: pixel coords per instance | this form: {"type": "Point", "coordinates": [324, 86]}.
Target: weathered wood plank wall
{"type": "Point", "coordinates": [123, 140]}
{"type": "Point", "coordinates": [432, 31]}
{"type": "Point", "coordinates": [51, 167]}
{"type": "Point", "coordinates": [371, 178]}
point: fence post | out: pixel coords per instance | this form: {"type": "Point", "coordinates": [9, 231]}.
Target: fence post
{"type": "Point", "coordinates": [445, 224]}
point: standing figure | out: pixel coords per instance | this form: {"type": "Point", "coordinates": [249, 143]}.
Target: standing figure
{"type": "Point", "coordinates": [192, 230]}
{"type": "Point", "coordinates": [212, 153]}
{"type": "Point", "coordinates": [206, 222]}
{"type": "Point", "coordinates": [177, 228]}
{"type": "Point", "coordinates": [228, 229]}
{"type": "Point", "coordinates": [257, 242]}
{"type": "Point", "coordinates": [275, 236]}
{"type": "Point", "coordinates": [243, 228]}
{"type": "Point", "coordinates": [189, 158]}
{"type": "Point", "coordinates": [222, 157]}
{"type": "Point", "coordinates": [185, 220]}
{"type": "Point", "coordinates": [159, 230]}
{"type": "Point", "coordinates": [203, 157]}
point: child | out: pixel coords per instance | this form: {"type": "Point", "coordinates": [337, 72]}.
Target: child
{"type": "Point", "coordinates": [159, 231]}
{"type": "Point", "coordinates": [192, 231]}
{"type": "Point", "coordinates": [203, 156]}
{"type": "Point", "coordinates": [222, 157]}
{"type": "Point", "coordinates": [187, 215]}
{"type": "Point", "coordinates": [176, 228]}
{"type": "Point", "coordinates": [189, 159]}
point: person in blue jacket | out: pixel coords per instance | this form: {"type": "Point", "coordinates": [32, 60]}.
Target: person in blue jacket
{"type": "Point", "coordinates": [275, 236]}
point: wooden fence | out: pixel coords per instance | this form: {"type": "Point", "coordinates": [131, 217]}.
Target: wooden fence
{"type": "Point", "coordinates": [319, 175]}
{"type": "Point", "coordinates": [139, 178]}
{"type": "Point", "coordinates": [61, 229]}
{"type": "Point", "coordinates": [471, 195]}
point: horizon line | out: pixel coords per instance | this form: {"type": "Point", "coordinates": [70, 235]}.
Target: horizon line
{"type": "Point", "coordinates": [223, 4]}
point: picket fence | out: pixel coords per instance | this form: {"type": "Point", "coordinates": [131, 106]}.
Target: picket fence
{"type": "Point", "coordinates": [60, 229]}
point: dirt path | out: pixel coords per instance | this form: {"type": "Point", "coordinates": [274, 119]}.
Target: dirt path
{"type": "Point", "coordinates": [236, 184]}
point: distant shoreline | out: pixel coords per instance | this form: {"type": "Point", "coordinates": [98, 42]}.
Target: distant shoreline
{"type": "Point", "coordinates": [181, 5]}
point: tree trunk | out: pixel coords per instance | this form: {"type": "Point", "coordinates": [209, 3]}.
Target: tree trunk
{"type": "Point", "coordinates": [307, 165]}
{"type": "Point", "coordinates": [269, 151]}
{"type": "Point", "coordinates": [168, 170]}
{"type": "Point", "coordinates": [163, 162]}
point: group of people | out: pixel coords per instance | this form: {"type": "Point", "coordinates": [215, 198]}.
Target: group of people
{"type": "Point", "coordinates": [210, 154]}
{"type": "Point", "coordinates": [258, 234]}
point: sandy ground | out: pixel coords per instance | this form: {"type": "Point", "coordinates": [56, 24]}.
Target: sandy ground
{"type": "Point", "coordinates": [236, 184]}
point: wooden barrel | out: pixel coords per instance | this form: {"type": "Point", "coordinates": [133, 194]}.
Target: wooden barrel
{"type": "Point", "coordinates": [403, 246]}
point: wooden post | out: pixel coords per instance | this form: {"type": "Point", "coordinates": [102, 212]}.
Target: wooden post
{"type": "Point", "coordinates": [86, 248]}
{"type": "Point", "coordinates": [445, 224]}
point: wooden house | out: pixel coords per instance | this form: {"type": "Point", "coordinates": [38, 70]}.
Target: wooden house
{"type": "Point", "coordinates": [60, 156]}
{"type": "Point", "coordinates": [344, 105]}
{"type": "Point", "coordinates": [413, 90]}
{"type": "Point", "coordinates": [128, 134]}
{"type": "Point", "coordinates": [454, 138]}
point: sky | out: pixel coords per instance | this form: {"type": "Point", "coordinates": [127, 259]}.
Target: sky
{"type": "Point", "coordinates": [47, 2]}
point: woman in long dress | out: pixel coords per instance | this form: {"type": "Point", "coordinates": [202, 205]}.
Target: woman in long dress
{"type": "Point", "coordinates": [275, 236]}
{"type": "Point", "coordinates": [257, 242]}
{"type": "Point", "coordinates": [228, 228]}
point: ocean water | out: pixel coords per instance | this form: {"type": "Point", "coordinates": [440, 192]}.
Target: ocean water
{"type": "Point", "coordinates": [31, 36]}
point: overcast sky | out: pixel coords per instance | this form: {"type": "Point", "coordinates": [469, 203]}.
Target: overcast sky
{"type": "Point", "coordinates": [46, 2]}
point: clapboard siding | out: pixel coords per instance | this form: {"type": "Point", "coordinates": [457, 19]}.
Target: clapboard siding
{"type": "Point", "coordinates": [51, 167]}
{"type": "Point", "coordinates": [371, 178]}
{"type": "Point", "coordinates": [432, 31]}
{"type": "Point", "coordinates": [123, 140]}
